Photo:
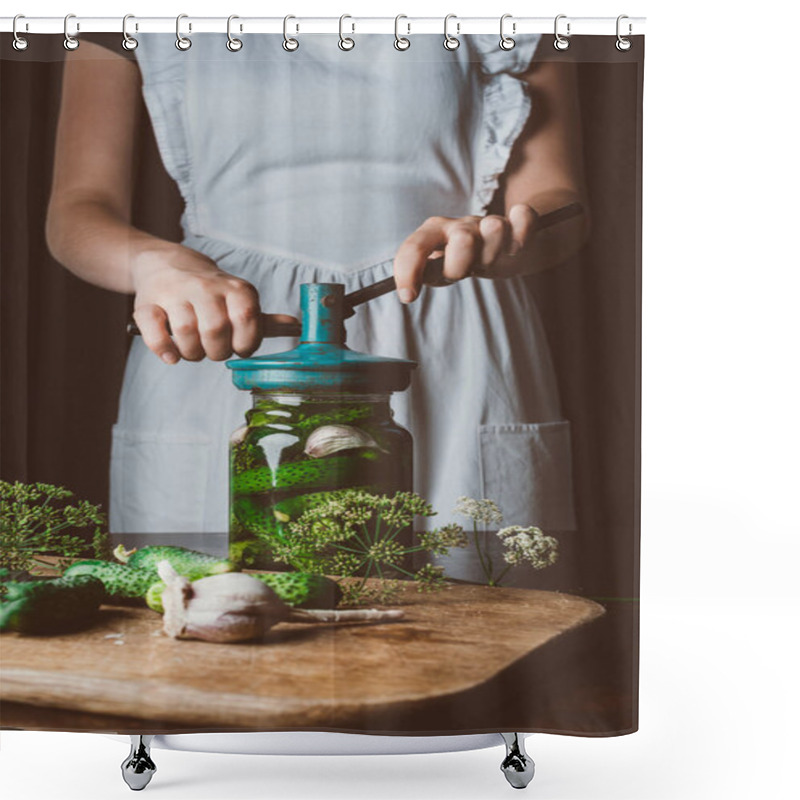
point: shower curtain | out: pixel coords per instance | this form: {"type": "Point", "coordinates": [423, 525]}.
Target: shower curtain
{"type": "Point", "coordinates": [187, 183]}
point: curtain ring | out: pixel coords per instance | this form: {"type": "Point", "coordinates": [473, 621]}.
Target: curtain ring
{"type": "Point", "coordinates": [233, 44]}
{"type": "Point", "coordinates": [623, 44]}
{"type": "Point", "coordinates": [506, 42]}
{"type": "Point", "coordinates": [70, 42]}
{"type": "Point", "coordinates": [451, 42]}
{"type": "Point", "coordinates": [182, 42]}
{"type": "Point", "coordinates": [289, 44]}
{"type": "Point", "coordinates": [19, 43]}
{"type": "Point", "coordinates": [400, 42]}
{"type": "Point", "coordinates": [345, 42]}
{"type": "Point", "coordinates": [128, 42]}
{"type": "Point", "coordinates": [561, 42]}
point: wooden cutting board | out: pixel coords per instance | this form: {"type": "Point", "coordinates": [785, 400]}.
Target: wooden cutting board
{"type": "Point", "coordinates": [300, 675]}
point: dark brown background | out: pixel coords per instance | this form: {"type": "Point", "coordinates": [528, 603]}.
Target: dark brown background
{"type": "Point", "coordinates": [63, 349]}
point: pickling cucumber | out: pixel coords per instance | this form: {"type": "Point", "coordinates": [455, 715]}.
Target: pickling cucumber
{"type": "Point", "coordinates": [334, 471]}
{"type": "Point", "coordinates": [123, 584]}
{"type": "Point", "coordinates": [302, 590]}
{"type": "Point", "coordinates": [252, 481]}
{"type": "Point", "coordinates": [338, 416]}
{"type": "Point", "coordinates": [261, 420]}
{"type": "Point", "coordinates": [51, 605]}
{"type": "Point", "coordinates": [312, 473]}
{"type": "Point", "coordinates": [191, 564]}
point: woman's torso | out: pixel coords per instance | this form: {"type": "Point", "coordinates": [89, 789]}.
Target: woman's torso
{"type": "Point", "coordinates": [327, 157]}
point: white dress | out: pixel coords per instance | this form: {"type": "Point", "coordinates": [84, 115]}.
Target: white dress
{"type": "Point", "coordinates": [315, 166]}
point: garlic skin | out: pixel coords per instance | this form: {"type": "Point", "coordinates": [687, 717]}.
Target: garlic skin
{"type": "Point", "coordinates": [238, 436]}
{"type": "Point", "coordinates": [329, 439]}
{"type": "Point", "coordinates": [231, 607]}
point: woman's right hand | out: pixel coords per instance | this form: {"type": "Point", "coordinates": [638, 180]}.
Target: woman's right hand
{"type": "Point", "coordinates": [211, 313]}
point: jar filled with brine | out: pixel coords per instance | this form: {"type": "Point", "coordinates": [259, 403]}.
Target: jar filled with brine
{"type": "Point", "coordinates": [321, 422]}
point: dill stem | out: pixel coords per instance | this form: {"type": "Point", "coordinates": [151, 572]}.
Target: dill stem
{"type": "Point", "coordinates": [480, 554]}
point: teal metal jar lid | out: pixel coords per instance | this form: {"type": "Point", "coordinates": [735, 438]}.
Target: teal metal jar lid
{"type": "Point", "coordinates": [322, 362]}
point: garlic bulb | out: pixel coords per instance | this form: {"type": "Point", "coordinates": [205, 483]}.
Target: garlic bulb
{"type": "Point", "coordinates": [328, 439]}
{"type": "Point", "coordinates": [236, 607]}
{"type": "Point", "coordinates": [231, 607]}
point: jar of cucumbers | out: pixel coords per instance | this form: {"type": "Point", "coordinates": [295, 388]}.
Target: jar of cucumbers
{"type": "Point", "coordinates": [295, 449]}
{"type": "Point", "coordinates": [321, 422]}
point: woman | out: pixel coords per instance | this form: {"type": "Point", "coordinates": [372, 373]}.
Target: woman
{"type": "Point", "coordinates": [288, 177]}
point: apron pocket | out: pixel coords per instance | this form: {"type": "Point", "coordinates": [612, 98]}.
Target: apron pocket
{"type": "Point", "coordinates": [158, 481]}
{"type": "Point", "coordinates": [526, 468]}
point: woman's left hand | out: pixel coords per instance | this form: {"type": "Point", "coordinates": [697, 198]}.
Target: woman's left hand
{"type": "Point", "coordinates": [491, 246]}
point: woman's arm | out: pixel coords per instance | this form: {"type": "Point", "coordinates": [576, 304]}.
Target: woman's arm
{"type": "Point", "coordinates": [88, 220]}
{"type": "Point", "coordinates": [210, 312]}
{"type": "Point", "coordinates": [544, 173]}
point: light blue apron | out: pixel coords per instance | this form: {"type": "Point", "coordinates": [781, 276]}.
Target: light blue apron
{"type": "Point", "coordinates": [315, 166]}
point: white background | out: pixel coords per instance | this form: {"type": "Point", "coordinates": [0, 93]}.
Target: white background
{"type": "Point", "coordinates": [719, 675]}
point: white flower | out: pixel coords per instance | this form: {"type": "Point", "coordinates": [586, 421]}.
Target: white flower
{"type": "Point", "coordinates": [478, 510]}
{"type": "Point", "coordinates": [528, 545]}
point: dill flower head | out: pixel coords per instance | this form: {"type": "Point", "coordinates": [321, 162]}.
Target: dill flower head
{"type": "Point", "coordinates": [440, 540]}
{"type": "Point", "coordinates": [479, 510]}
{"type": "Point", "coordinates": [430, 578]}
{"type": "Point", "coordinates": [386, 551]}
{"type": "Point", "coordinates": [401, 508]}
{"type": "Point", "coordinates": [353, 532]}
{"type": "Point", "coordinates": [528, 545]}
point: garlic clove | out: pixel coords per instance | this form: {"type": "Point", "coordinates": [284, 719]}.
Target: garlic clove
{"type": "Point", "coordinates": [328, 439]}
{"type": "Point", "coordinates": [211, 626]}
{"type": "Point", "coordinates": [230, 607]}
{"type": "Point", "coordinates": [175, 598]}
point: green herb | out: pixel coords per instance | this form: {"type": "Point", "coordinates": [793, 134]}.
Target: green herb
{"type": "Point", "coordinates": [36, 519]}
{"type": "Point", "coordinates": [354, 534]}
{"type": "Point", "coordinates": [520, 545]}
{"type": "Point", "coordinates": [245, 455]}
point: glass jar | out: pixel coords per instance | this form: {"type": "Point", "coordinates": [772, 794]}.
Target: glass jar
{"type": "Point", "coordinates": [296, 449]}
{"type": "Point", "coordinates": [321, 422]}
